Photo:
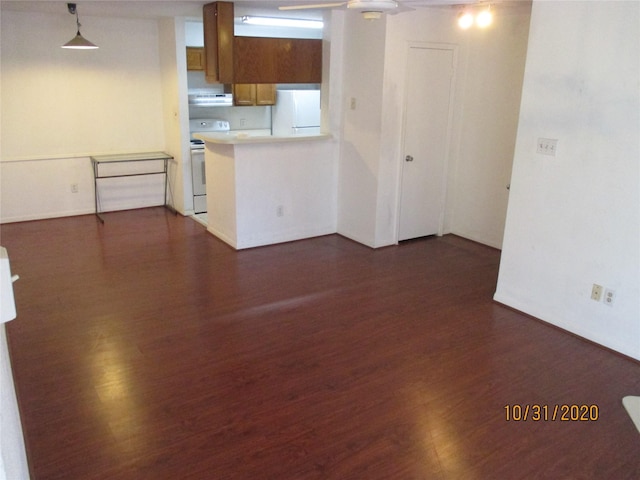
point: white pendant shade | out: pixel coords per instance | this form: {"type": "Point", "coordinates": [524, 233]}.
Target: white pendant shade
{"type": "Point", "coordinates": [79, 42]}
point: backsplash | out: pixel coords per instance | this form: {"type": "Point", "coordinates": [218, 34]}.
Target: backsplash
{"type": "Point", "coordinates": [239, 118]}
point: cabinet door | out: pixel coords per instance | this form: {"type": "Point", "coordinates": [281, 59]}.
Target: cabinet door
{"type": "Point", "coordinates": [195, 58]}
{"type": "Point", "coordinates": [247, 94]}
{"type": "Point", "coordinates": [277, 60]}
{"type": "Point", "coordinates": [218, 42]}
{"type": "Point", "coordinates": [244, 94]}
{"type": "Point", "coordinates": [265, 94]}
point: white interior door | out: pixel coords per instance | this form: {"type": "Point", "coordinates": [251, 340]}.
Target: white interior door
{"type": "Point", "coordinates": [426, 138]}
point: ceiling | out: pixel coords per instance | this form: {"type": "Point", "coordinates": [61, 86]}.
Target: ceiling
{"type": "Point", "coordinates": [190, 9]}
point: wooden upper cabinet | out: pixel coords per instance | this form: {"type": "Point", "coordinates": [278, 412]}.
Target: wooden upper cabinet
{"type": "Point", "coordinates": [218, 42]}
{"type": "Point", "coordinates": [255, 60]}
{"type": "Point", "coordinates": [244, 94]}
{"type": "Point", "coordinates": [277, 60]}
{"type": "Point", "coordinates": [265, 94]}
{"type": "Point", "coordinates": [195, 58]}
{"type": "Point", "coordinates": [250, 94]}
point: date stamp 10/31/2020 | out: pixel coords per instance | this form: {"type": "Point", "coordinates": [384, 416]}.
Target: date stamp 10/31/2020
{"type": "Point", "coordinates": [551, 413]}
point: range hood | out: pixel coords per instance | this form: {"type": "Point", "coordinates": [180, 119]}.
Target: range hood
{"type": "Point", "coordinates": [210, 99]}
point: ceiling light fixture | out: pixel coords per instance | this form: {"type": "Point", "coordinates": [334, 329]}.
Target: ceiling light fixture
{"type": "Point", "coordinates": [374, 15]}
{"type": "Point", "coordinates": [484, 18]}
{"type": "Point", "coordinates": [282, 22]}
{"type": "Point", "coordinates": [372, 5]}
{"type": "Point", "coordinates": [372, 9]}
{"type": "Point", "coordinates": [467, 18]}
{"type": "Point", "coordinates": [78, 42]}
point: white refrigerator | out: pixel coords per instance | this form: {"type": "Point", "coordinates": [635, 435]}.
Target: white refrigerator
{"type": "Point", "coordinates": [296, 112]}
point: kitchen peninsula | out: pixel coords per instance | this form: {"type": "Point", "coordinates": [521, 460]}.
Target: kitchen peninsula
{"type": "Point", "coordinates": [268, 189]}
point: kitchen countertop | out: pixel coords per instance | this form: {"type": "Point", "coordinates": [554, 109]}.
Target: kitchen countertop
{"type": "Point", "coordinates": [239, 138]}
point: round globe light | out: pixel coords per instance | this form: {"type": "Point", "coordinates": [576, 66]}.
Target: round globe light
{"type": "Point", "coordinates": [484, 19]}
{"type": "Point", "coordinates": [465, 20]}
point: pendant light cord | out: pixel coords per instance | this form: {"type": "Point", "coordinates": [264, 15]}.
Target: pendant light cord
{"type": "Point", "coordinates": [78, 21]}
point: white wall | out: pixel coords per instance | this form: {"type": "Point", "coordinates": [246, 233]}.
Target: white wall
{"type": "Point", "coordinates": [573, 219]}
{"type": "Point", "coordinates": [173, 64]}
{"type": "Point", "coordinates": [358, 176]}
{"type": "Point", "coordinates": [61, 106]}
{"type": "Point", "coordinates": [489, 71]}
{"type": "Point", "coordinates": [250, 182]}
{"type": "Point", "coordinates": [494, 69]}
{"type": "Point", "coordinates": [13, 460]}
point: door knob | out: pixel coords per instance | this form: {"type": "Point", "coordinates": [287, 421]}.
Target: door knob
{"type": "Point", "coordinates": [408, 158]}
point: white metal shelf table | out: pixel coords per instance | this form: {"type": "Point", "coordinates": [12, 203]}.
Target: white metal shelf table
{"type": "Point", "coordinates": [98, 160]}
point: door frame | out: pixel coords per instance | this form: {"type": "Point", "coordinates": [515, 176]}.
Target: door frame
{"type": "Point", "coordinates": [450, 120]}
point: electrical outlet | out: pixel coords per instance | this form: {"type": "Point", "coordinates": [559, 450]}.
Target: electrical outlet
{"type": "Point", "coordinates": [547, 146]}
{"type": "Point", "coordinates": [74, 188]}
{"type": "Point", "coordinates": [280, 211]}
{"type": "Point", "coordinates": [243, 122]}
{"type": "Point", "coordinates": [596, 292]}
{"type": "Point", "coordinates": [609, 297]}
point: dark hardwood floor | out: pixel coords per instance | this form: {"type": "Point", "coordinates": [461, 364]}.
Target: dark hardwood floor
{"type": "Point", "coordinates": [145, 348]}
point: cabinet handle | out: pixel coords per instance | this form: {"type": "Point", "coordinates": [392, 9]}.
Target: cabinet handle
{"type": "Point", "coordinates": [408, 158]}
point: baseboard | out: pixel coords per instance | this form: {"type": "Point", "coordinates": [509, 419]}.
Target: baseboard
{"type": "Point", "coordinates": [46, 216]}
{"type": "Point", "coordinates": [222, 236]}
{"type": "Point", "coordinates": [521, 309]}
{"type": "Point", "coordinates": [282, 237]}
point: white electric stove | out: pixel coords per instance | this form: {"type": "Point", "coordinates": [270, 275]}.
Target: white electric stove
{"type": "Point", "coordinates": [198, 177]}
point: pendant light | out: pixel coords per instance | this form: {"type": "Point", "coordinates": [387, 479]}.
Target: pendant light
{"type": "Point", "coordinates": [78, 42]}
